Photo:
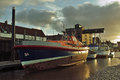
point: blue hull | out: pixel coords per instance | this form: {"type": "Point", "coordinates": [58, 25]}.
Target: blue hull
{"type": "Point", "coordinates": [34, 59]}
{"type": "Point", "coordinates": [34, 54]}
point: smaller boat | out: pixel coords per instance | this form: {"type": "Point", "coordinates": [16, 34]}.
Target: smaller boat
{"type": "Point", "coordinates": [112, 54]}
{"type": "Point", "coordinates": [92, 51]}
{"type": "Point", "coordinates": [103, 51]}
{"type": "Point", "coordinates": [91, 55]}
{"type": "Point", "coordinates": [93, 47]}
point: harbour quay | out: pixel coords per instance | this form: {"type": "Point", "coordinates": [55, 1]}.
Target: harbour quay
{"type": "Point", "coordinates": [10, 65]}
{"type": "Point", "coordinates": [110, 73]}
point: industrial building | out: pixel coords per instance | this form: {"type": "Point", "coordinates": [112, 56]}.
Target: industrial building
{"type": "Point", "coordinates": [78, 31]}
{"type": "Point", "coordinates": [83, 35]}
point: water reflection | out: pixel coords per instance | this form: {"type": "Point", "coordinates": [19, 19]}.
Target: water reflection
{"type": "Point", "coordinates": [78, 72]}
{"type": "Point", "coordinates": [95, 62]}
{"type": "Point", "coordinates": [109, 61]}
{"type": "Point", "coordinates": [101, 63]}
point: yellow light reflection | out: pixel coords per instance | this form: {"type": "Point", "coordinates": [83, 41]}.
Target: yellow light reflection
{"type": "Point", "coordinates": [109, 61]}
{"type": "Point", "coordinates": [95, 62]}
{"type": "Point", "coordinates": [87, 75]}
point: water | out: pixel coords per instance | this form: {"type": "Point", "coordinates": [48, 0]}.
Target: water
{"type": "Point", "coordinates": [78, 72]}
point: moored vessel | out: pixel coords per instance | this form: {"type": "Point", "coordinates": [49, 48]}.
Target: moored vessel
{"type": "Point", "coordinates": [92, 51]}
{"type": "Point", "coordinates": [100, 51]}
{"type": "Point", "coordinates": [91, 54]}
{"type": "Point", "coordinates": [103, 51]}
{"type": "Point", "coordinates": [42, 55]}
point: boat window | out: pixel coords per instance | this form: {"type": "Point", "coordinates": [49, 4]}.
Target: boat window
{"type": "Point", "coordinates": [66, 38]}
{"type": "Point", "coordinates": [69, 38]}
{"type": "Point", "coordinates": [104, 48]}
{"type": "Point", "coordinates": [2, 30]}
{"type": "Point", "coordinates": [74, 39]}
{"type": "Point", "coordinates": [71, 44]}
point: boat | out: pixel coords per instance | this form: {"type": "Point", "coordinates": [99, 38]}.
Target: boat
{"type": "Point", "coordinates": [92, 51]}
{"type": "Point", "coordinates": [100, 51]}
{"type": "Point", "coordinates": [42, 55]}
{"type": "Point", "coordinates": [103, 51]}
{"type": "Point", "coordinates": [112, 54]}
{"type": "Point", "coordinates": [93, 47]}
{"type": "Point", "coordinates": [91, 54]}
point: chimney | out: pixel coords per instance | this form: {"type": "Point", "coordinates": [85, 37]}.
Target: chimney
{"type": "Point", "coordinates": [35, 35]}
{"type": "Point", "coordinates": [6, 27]}
{"type": "Point", "coordinates": [24, 33]}
{"type": "Point", "coordinates": [6, 22]}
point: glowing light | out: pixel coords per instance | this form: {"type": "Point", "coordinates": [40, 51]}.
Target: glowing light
{"type": "Point", "coordinates": [105, 2]}
{"type": "Point", "coordinates": [95, 62]}
{"type": "Point", "coordinates": [53, 18]}
{"type": "Point", "coordinates": [17, 2]}
{"type": "Point", "coordinates": [109, 61]}
{"type": "Point", "coordinates": [118, 36]}
{"type": "Point", "coordinates": [116, 40]}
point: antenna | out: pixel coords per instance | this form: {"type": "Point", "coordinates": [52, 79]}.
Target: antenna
{"type": "Point", "coordinates": [63, 26]}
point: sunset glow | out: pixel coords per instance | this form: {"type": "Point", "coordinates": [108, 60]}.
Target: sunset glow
{"type": "Point", "coordinates": [50, 15]}
{"type": "Point", "coordinates": [116, 40]}
{"type": "Point", "coordinates": [105, 2]}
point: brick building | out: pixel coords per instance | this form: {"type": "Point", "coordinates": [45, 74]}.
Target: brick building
{"type": "Point", "coordinates": [54, 37]}
{"type": "Point", "coordinates": [22, 33]}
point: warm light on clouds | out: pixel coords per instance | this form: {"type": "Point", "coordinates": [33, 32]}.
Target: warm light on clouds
{"type": "Point", "coordinates": [46, 0]}
{"type": "Point", "coordinates": [37, 2]}
{"type": "Point", "coordinates": [17, 2]}
{"type": "Point", "coordinates": [36, 18]}
{"type": "Point", "coordinates": [118, 36]}
{"type": "Point", "coordinates": [51, 14]}
{"type": "Point", "coordinates": [88, 15]}
{"type": "Point", "coordinates": [53, 18]}
{"type": "Point", "coordinates": [106, 2]}
{"type": "Point", "coordinates": [6, 3]}
{"type": "Point", "coordinates": [93, 16]}
{"type": "Point", "coordinates": [116, 40]}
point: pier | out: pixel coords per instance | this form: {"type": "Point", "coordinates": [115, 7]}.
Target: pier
{"type": "Point", "coordinates": [5, 65]}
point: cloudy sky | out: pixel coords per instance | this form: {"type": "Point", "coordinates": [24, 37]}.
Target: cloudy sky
{"type": "Point", "coordinates": [50, 15]}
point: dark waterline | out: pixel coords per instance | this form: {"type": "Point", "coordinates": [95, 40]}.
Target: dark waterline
{"type": "Point", "coordinates": [78, 72]}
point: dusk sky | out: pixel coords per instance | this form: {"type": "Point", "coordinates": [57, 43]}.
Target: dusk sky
{"type": "Point", "coordinates": [50, 15]}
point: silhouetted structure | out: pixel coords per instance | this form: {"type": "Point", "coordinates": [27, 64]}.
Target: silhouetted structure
{"type": "Point", "coordinates": [54, 37]}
